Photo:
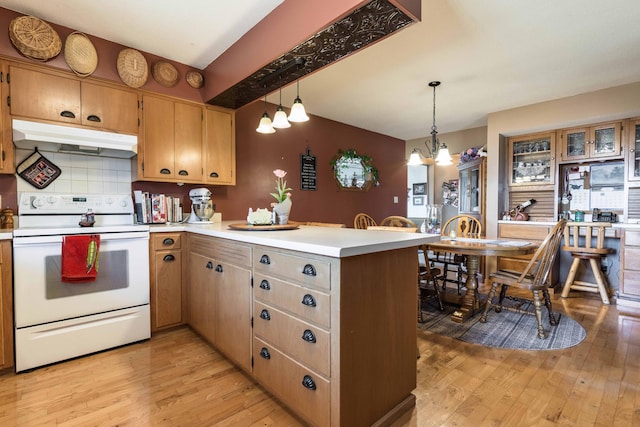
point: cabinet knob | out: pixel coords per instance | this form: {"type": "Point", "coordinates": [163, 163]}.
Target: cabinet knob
{"type": "Point", "coordinates": [210, 265]}
{"type": "Point", "coordinates": [213, 175]}
{"type": "Point", "coordinates": [183, 172]}
{"type": "Point", "coordinates": [308, 382]}
{"type": "Point", "coordinates": [169, 258]}
{"type": "Point", "coordinates": [94, 118]}
{"type": "Point", "coordinates": [308, 300]}
{"type": "Point", "coordinates": [309, 336]}
{"type": "Point", "coordinates": [264, 314]}
{"type": "Point", "coordinates": [168, 241]}
{"type": "Point", "coordinates": [68, 114]}
{"type": "Point", "coordinates": [309, 270]}
{"type": "Point", "coordinates": [632, 150]}
{"type": "Point", "coordinates": [219, 268]}
{"type": "Point", "coordinates": [265, 285]}
{"type": "Point", "coordinates": [165, 171]}
{"type": "Point", "coordinates": [264, 259]}
{"type": "Point", "coordinates": [264, 353]}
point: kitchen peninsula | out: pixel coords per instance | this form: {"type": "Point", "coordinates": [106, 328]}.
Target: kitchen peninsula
{"type": "Point", "coordinates": [324, 318]}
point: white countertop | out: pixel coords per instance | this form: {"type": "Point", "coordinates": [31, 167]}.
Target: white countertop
{"type": "Point", "coordinates": [329, 241]}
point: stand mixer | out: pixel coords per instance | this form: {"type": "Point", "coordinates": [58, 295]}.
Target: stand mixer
{"type": "Point", "coordinates": [202, 209]}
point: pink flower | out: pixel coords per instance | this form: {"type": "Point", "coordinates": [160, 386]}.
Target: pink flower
{"type": "Point", "coordinates": [282, 191]}
{"type": "Point", "coordinates": [470, 151]}
{"type": "Point", "coordinates": [279, 173]}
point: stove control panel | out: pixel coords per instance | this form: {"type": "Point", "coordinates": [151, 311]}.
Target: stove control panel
{"type": "Point", "coordinates": [38, 203]}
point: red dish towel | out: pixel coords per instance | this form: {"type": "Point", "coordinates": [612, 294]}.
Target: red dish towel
{"type": "Point", "coordinates": [80, 258]}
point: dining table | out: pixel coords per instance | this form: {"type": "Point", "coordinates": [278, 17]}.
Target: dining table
{"type": "Point", "coordinates": [473, 250]}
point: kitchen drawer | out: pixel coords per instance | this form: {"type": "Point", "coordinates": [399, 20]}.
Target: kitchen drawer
{"type": "Point", "coordinates": [631, 257]}
{"type": "Point", "coordinates": [308, 304]}
{"type": "Point", "coordinates": [631, 238]}
{"type": "Point", "coordinates": [631, 283]}
{"type": "Point", "coordinates": [297, 386]}
{"type": "Point", "coordinates": [305, 271]}
{"type": "Point", "coordinates": [525, 232]}
{"type": "Point", "coordinates": [165, 241]}
{"type": "Point", "coordinates": [221, 250]}
{"type": "Point", "coordinates": [302, 341]}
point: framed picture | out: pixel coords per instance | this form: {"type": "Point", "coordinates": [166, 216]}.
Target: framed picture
{"type": "Point", "coordinates": [418, 201]}
{"type": "Point", "coordinates": [420, 189]}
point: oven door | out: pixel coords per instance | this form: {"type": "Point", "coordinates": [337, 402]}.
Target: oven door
{"type": "Point", "coordinates": [41, 297]}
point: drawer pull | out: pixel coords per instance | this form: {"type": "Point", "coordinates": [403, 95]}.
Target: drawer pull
{"type": "Point", "coordinates": [213, 175]}
{"type": "Point", "coordinates": [210, 265]}
{"type": "Point", "coordinates": [309, 270]}
{"type": "Point", "coordinates": [308, 300]}
{"type": "Point", "coordinates": [68, 114]}
{"type": "Point", "coordinates": [308, 382]}
{"type": "Point", "coordinates": [219, 268]}
{"type": "Point", "coordinates": [264, 259]}
{"type": "Point", "coordinates": [94, 118]}
{"type": "Point", "coordinates": [169, 258]}
{"type": "Point", "coordinates": [265, 285]}
{"type": "Point", "coordinates": [168, 241]}
{"type": "Point", "coordinates": [165, 171]}
{"type": "Point", "coordinates": [309, 336]}
{"type": "Point", "coordinates": [264, 314]}
{"type": "Point", "coordinates": [183, 172]}
{"type": "Point", "coordinates": [264, 353]}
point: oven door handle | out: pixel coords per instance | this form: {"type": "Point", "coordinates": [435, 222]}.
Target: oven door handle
{"type": "Point", "coordinates": [104, 237]}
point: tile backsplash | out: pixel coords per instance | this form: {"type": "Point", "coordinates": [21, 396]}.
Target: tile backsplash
{"type": "Point", "coordinates": [82, 174]}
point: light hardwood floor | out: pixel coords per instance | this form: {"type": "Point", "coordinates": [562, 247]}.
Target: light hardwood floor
{"type": "Point", "coordinates": [175, 379]}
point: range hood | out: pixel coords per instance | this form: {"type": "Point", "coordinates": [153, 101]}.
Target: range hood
{"type": "Point", "coordinates": [67, 139]}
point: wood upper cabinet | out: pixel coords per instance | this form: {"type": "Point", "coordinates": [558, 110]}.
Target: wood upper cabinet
{"type": "Point", "coordinates": [7, 165]}
{"type": "Point", "coordinates": [220, 146]}
{"type": "Point", "coordinates": [39, 95]}
{"type": "Point", "coordinates": [602, 141]}
{"type": "Point", "coordinates": [633, 155]}
{"type": "Point", "coordinates": [172, 141]}
{"type": "Point", "coordinates": [6, 306]}
{"type": "Point", "coordinates": [532, 159]}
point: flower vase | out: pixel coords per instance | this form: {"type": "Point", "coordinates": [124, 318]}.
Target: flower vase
{"type": "Point", "coordinates": [282, 210]}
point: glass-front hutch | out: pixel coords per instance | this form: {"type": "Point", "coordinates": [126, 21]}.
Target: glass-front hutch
{"type": "Point", "coordinates": [472, 187]}
{"type": "Point", "coordinates": [532, 159]}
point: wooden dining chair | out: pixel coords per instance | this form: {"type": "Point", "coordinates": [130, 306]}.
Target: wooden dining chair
{"type": "Point", "coordinates": [390, 228]}
{"type": "Point", "coordinates": [362, 221]}
{"type": "Point", "coordinates": [464, 226]}
{"type": "Point", "coordinates": [533, 278]}
{"type": "Point", "coordinates": [398, 221]}
{"type": "Point", "coordinates": [427, 275]}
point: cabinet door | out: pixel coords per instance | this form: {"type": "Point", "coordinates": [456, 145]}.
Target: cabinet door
{"type": "Point", "coordinates": [594, 142]}
{"type": "Point", "coordinates": [167, 289]}
{"type": "Point", "coordinates": [634, 150]}
{"type": "Point", "coordinates": [220, 147]}
{"type": "Point", "coordinates": [7, 165]}
{"type": "Point", "coordinates": [44, 96]}
{"type": "Point", "coordinates": [606, 140]}
{"type": "Point", "coordinates": [202, 296]}
{"type": "Point", "coordinates": [158, 147]}
{"type": "Point", "coordinates": [109, 108]}
{"type": "Point", "coordinates": [6, 306]}
{"type": "Point", "coordinates": [532, 159]}
{"type": "Point", "coordinates": [233, 313]}
{"type": "Point", "coordinates": [188, 139]}
{"type": "Point", "coordinates": [575, 144]}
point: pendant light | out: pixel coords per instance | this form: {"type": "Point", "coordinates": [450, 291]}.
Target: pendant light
{"type": "Point", "coordinates": [298, 114]}
{"type": "Point", "coordinates": [265, 125]}
{"type": "Point", "coordinates": [280, 118]}
{"type": "Point", "coordinates": [443, 158]}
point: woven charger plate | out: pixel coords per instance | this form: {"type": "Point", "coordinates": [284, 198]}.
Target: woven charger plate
{"type": "Point", "coordinates": [165, 73]}
{"type": "Point", "coordinates": [80, 54]}
{"type": "Point", "coordinates": [194, 79]}
{"type": "Point", "coordinates": [34, 38]}
{"type": "Point", "coordinates": [132, 67]}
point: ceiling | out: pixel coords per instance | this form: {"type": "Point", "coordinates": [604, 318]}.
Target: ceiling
{"type": "Point", "coordinates": [489, 55]}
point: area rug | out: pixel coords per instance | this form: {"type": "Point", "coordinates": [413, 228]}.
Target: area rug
{"type": "Point", "coordinates": [506, 329]}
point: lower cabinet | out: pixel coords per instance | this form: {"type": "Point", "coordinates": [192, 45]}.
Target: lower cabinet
{"type": "Point", "coordinates": [168, 306]}
{"type": "Point", "coordinates": [334, 339]}
{"type": "Point", "coordinates": [629, 269]}
{"type": "Point", "coordinates": [6, 306]}
{"type": "Point", "coordinates": [220, 295]}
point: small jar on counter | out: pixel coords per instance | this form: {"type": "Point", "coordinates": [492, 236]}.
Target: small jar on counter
{"type": "Point", "coordinates": [6, 218]}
